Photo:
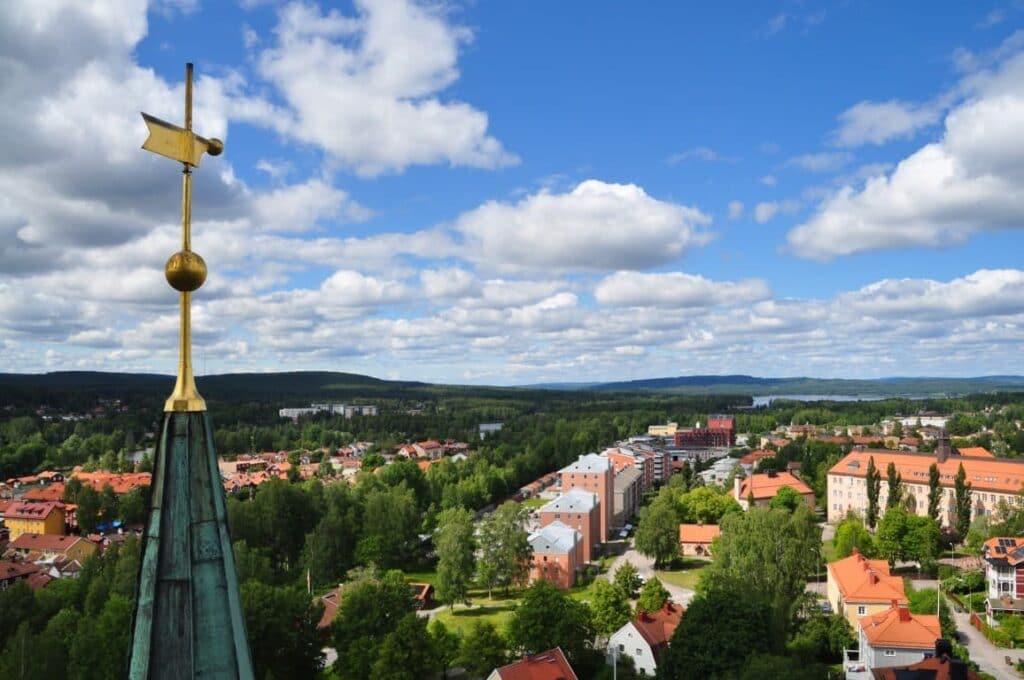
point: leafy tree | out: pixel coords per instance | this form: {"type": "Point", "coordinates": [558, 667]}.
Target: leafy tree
{"type": "Point", "coordinates": [962, 495]}
{"type": "Point", "coordinates": [370, 608]}
{"type": "Point", "coordinates": [546, 617]}
{"type": "Point", "coordinates": [760, 666]}
{"type": "Point", "coordinates": [821, 638]}
{"type": "Point", "coordinates": [922, 541]}
{"type": "Point", "coordinates": [609, 607]}
{"type": "Point", "coordinates": [482, 650]}
{"type": "Point", "coordinates": [706, 505]}
{"type": "Point", "coordinates": [17, 605]}
{"type": "Point", "coordinates": [252, 564]}
{"type": "Point", "coordinates": [653, 596]}
{"type": "Point", "coordinates": [390, 527]}
{"type": "Point", "coordinates": [88, 511]}
{"type": "Point", "coordinates": [627, 578]}
{"type": "Point", "coordinates": [851, 534]}
{"type": "Point", "coordinates": [720, 629]}
{"type": "Point", "coordinates": [100, 650]}
{"type": "Point", "coordinates": [282, 628]}
{"type": "Point", "coordinates": [895, 484]}
{"type": "Point", "coordinates": [330, 548]}
{"type": "Point", "coordinates": [892, 530]}
{"type": "Point", "coordinates": [445, 643]}
{"type": "Point", "coordinates": [454, 542]}
{"type": "Point", "coordinates": [767, 555]}
{"type": "Point", "coordinates": [787, 498]}
{"type": "Point", "coordinates": [134, 506]}
{"type": "Point", "coordinates": [505, 549]}
{"type": "Point", "coordinates": [407, 653]}
{"type": "Point", "coordinates": [934, 491]}
{"type": "Point", "coordinates": [657, 534]}
{"type": "Point", "coordinates": [874, 484]}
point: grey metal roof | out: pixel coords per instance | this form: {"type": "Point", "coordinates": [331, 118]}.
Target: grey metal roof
{"type": "Point", "coordinates": [555, 538]}
{"type": "Point", "coordinates": [588, 463]}
{"type": "Point", "coordinates": [575, 500]}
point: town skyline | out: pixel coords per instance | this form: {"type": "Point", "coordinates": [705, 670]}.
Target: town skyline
{"type": "Point", "coordinates": [484, 195]}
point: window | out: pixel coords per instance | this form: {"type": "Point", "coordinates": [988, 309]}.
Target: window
{"type": "Point", "coordinates": [639, 652]}
{"type": "Point", "coordinates": [862, 610]}
{"type": "Point", "coordinates": [890, 652]}
{"type": "Point", "coordinates": [622, 648]}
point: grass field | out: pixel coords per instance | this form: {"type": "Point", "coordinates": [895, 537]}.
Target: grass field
{"type": "Point", "coordinates": [496, 611]}
{"type": "Point", "coordinates": [421, 577]}
{"type": "Point", "coordinates": [534, 503]}
{"type": "Point", "coordinates": [684, 577]}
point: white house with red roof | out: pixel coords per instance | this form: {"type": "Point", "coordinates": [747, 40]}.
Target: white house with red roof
{"type": "Point", "coordinates": [895, 637]}
{"type": "Point", "coordinates": [762, 488]}
{"type": "Point", "coordinates": [646, 637]}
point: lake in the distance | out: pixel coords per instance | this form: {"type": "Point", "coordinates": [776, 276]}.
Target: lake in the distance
{"type": "Point", "coordinates": [766, 400]}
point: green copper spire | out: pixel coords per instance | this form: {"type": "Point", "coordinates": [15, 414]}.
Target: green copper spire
{"type": "Point", "coordinates": [188, 616]}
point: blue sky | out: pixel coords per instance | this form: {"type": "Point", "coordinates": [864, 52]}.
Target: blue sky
{"type": "Point", "coordinates": [507, 193]}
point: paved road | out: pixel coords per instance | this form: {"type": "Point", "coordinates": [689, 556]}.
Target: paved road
{"type": "Point", "coordinates": [989, 658]}
{"type": "Point", "coordinates": [645, 567]}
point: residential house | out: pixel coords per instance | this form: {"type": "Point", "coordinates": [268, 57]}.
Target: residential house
{"type": "Point", "coordinates": [557, 554]}
{"type": "Point", "coordinates": [993, 480]}
{"type": "Point", "coordinates": [592, 473]}
{"type": "Point", "coordinates": [942, 665]}
{"type": "Point", "coordinates": [628, 493]}
{"type": "Point", "coordinates": [121, 483]}
{"type": "Point", "coordinates": [763, 487]}
{"type": "Point", "coordinates": [860, 587]}
{"type": "Point", "coordinates": [1004, 575]}
{"type": "Point", "coordinates": [753, 459]}
{"type": "Point", "coordinates": [646, 637]}
{"type": "Point", "coordinates": [719, 471]}
{"type": "Point", "coordinates": [549, 665]}
{"type": "Point", "coordinates": [12, 572]}
{"type": "Point", "coordinates": [50, 493]}
{"type": "Point", "coordinates": [49, 546]}
{"type": "Point", "coordinates": [580, 510]}
{"type": "Point", "coordinates": [34, 518]}
{"type": "Point", "coordinates": [695, 539]}
{"type": "Point", "coordinates": [895, 637]}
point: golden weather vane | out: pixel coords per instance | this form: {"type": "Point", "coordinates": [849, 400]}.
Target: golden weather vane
{"type": "Point", "coordinates": [185, 270]}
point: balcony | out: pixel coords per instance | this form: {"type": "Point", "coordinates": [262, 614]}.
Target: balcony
{"type": "Point", "coordinates": [855, 668]}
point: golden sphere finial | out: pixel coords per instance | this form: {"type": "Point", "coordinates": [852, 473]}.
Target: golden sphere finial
{"type": "Point", "coordinates": [185, 271]}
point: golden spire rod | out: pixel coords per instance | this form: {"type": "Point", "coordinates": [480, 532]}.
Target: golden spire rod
{"type": "Point", "coordinates": [185, 270]}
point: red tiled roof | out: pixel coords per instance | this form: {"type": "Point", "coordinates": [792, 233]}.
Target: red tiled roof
{"type": "Point", "coordinates": [698, 533]}
{"type": "Point", "coordinates": [120, 482]}
{"type": "Point", "coordinates": [975, 452]}
{"type": "Point", "coordinates": [330, 601]}
{"type": "Point", "coordinates": [20, 510]}
{"type": "Point", "coordinates": [766, 486]}
{"type": "Point", "coordinates": [897, 627]}
{"type": "Point", "coordinates": [44, 542]}
{"type": "Point", "coordinates": [1009, 548]}
{"type": "Point", "coordinates": [657, 627]}
{"type": "Point", "coordinates": [862, 580]}
{"type": "Point", "coordinates": [51, 492]}
{"type": "Point", "coordinates": [755, 456]}
{"type": "Point", "coordinates": [549, 665]}
{"type": "Point", "coordinates": [16, 569]}
{"type": "Point", "coordinates": [985, 474]}
{"type": "Point", "coordinates": [38, 580]}
{"type": "Point", "coordinates": [937, 668]}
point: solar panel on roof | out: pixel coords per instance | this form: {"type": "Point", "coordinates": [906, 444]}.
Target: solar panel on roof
{"type": "Point", "coordinates": [1000, 550]}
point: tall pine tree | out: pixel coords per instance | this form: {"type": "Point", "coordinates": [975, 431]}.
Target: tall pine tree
{"type": "Point", "coordinates": [895, 482]}
{"type": "Point", "coordinates": [934, 491]}
{"type": "Point", "coordinates": [874, 482]}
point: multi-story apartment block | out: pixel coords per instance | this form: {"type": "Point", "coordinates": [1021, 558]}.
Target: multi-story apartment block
{"type": "Point", "coordinates": [993, 480]}
{"type": "Point", "coordinates": [628, 493]}
{"type": "Point", "coordinates": [594, 474]}
{"type": "Point", "coordinates": [579, 510]}
{"type": "Point", "coordinates": [622, 457]}
{"type": "Point", "coordinates": [556, 554]}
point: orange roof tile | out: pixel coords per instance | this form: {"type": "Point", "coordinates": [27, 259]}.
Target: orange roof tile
{"type": "Point", "coordinates": [975, 452]}
{"type": "Point", "coordinates": [897, 627]}
{"type": "Point", "coordinates": [44, 542]}
{"type": "Point", "coordinates": [755, 456]}
{"type": "Point", "coordinates": [1009, 548]}
{"type": "Point", "coordinates": [1004, 475]}
{"type": "Point", "coordinates": [766, 486]}
{"type": "Point", "coordinates": [52, 492]}
{"type": "Point", "coordinates": [862, 580]}
{"type": "Point", "coordinates": [549, 665]}
{"type": "Point", "coordinates": [16, 569]}
{"type": "Point", "coordinates": [698, 533]}
{"type": "Point", "coordinates": [121, 483]}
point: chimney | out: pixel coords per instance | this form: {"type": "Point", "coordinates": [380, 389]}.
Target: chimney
{"type": "Point", "coordinates": [943, 450]}
{"type": "Point", "coordinates": [736, 482]}
{"type": "Point", "coordinates": [873, 577]}
{"type": "Point", "coordinates": [904, 611]}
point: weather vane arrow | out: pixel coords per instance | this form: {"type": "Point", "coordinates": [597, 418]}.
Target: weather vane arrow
{"type": "Point", "coordinates": [185, 270]}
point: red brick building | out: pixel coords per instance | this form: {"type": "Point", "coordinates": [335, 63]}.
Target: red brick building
{"type": "Point", "coordinates": [579, 510]}
{"type": "Point", "coordinates": [592, 473]}
{"type": "Point", "coordinates": [720, 432]}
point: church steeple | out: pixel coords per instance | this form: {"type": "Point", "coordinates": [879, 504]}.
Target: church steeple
{"type": "Point", "coordinates": [188, 619]}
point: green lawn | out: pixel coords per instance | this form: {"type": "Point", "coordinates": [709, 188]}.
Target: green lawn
{"type": "Point", "coordinates": [496, 611]}
{"type": "Point", "coordinates": [686, 577]}
{"type": "Point", "coordinates": [421, 577]}
{"type": "Point", "coordinates": [534, 503]}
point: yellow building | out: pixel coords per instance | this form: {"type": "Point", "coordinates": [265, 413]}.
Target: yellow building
{"type": "Point", "coordinates": [667, 430]}
{"type": "Point", "coordinates": [860, 587]}
{"type": "Point", "coordinates": [34, 518]}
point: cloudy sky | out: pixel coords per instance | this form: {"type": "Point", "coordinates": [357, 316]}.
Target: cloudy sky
{"type": "Point", "coordinates": [514, 192]}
